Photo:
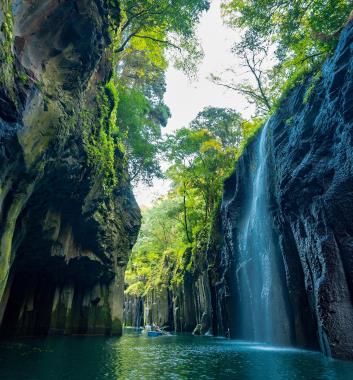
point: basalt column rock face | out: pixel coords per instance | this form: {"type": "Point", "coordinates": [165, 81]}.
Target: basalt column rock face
{"type": "Point", "coordinates": [181, 299]}
{"type": "Point", "coordinates": [133, 311]}
{"type": "Point", "coordinates": [309, 158]}
{"type": "Point", "coordinates": [68, 218]}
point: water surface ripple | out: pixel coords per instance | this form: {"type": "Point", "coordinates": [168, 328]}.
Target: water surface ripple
{"type": "Point", "coordinates": [135, 356]}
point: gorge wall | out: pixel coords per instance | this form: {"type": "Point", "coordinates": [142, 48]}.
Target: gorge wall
{"type": "Point", "coordinates": [68, 218]}
{"type": "Point", "coordinates": [309, 158]}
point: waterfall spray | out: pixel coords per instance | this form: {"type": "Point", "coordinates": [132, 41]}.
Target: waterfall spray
{"type": "Point", "coordinates": [262, 313]}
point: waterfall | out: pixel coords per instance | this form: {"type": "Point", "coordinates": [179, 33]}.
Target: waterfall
{"type": "Point", "coordinates": [139, 307]}
{"type": "Point", "coordinates": [262, 308]}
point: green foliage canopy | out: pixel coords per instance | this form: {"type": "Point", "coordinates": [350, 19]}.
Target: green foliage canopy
{"type": "Point", "coordinates": [303, 32]}
{"type": "Point", "coordinates": [148, 29]}
{"type": "Point", "coordinates": [202, 156]}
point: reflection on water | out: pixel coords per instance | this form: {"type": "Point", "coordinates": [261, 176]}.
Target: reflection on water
{"type": "Point", "coordinates": [169, 357]}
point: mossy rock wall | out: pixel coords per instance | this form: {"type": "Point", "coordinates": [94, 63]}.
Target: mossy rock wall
{"type": "Point", "coordinates": [68, 218]}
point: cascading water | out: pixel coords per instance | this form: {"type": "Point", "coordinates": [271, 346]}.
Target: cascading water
{"type": "Point", "coordinates": [262, 309]}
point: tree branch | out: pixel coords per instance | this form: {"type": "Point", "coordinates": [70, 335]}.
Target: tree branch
{"type": "Point", "coordinates": [128, 38]}
{"type": "Point", "coordinates": [158, 40]}
{"type": "Point", "coordinates": [244, 91]}
{"type": "Point", "coordinates": [313, 56]}
{"type": "Point", "coordinates": [258, 80]}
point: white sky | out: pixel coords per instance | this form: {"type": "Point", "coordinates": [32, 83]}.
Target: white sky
{"type": "Point", "coordinates": [186, 99]}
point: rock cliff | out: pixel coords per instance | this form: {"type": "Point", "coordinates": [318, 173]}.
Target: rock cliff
{"type": "Point", "coordinates": [179, 301]}
{"type": "Point", "coordinates": [309, 157]}
{"type": "Point", "coordinates": [68, 218]}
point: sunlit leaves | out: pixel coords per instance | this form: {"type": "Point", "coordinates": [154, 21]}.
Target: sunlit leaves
{"type": "Point", "coordinates": [168, 25]}
{"type": "Point", "coordinates": [211, 145]}
{"type": "Point", "coordinates": [203, 155]}
{"type": "Point", "coordinates": [158, 246]}
{"type": "Point", "coordinates": [152, 51]}
{"type": "Point", "coordinates": [304, 32]}
{"type": "Point", "coordinates": [221, 122]}
{"type": "Point", "coordinates": [177, 16]}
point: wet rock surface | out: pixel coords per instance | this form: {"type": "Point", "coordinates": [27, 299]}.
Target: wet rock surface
{"type": "Point", "coordinates": [65, 237]}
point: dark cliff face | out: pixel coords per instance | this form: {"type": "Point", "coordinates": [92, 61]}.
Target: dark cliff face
{"type": "Point", "coordinates": [310, 181]}
{"type": "Point", "coordinates": [65, 229]}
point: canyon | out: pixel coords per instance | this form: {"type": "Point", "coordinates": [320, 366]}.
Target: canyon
{"type": "Point", "coordinates": [278, 264]}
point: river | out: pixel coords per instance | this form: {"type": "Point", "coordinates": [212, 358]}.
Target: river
{"type": "Point", "coordinates": [135, 356]}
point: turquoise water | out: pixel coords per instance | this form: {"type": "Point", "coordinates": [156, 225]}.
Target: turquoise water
{"type": "Point", "coordinates": [169, 357]}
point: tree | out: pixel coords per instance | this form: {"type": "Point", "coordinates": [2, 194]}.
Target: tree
{"type": "Point", "coordinates": [141, 111]}
{"type": "Point", "coordinates": [140, 120]}
{"type": "Point", "coordinates": [302, 32]}
{"type": "Point", "coordinates": [159, 240]}
{"type": "Point", "coordinates": [157, 20]}
{"type": "Point", "coordinates": [178, 225]}
{"type": "Point", "coordinates": [202, 156]}
{"type": "Point", "coordinates": [297, 27]}
{"type": "Point", "coordinates": [223, 123]}
{"type": "Point", "coordinates": [147, 30]}
{"type": "Point", "coordinates": [254, 56]}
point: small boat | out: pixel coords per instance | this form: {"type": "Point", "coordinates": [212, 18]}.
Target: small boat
{"type": "Point", "coordinates": [154, 333]}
